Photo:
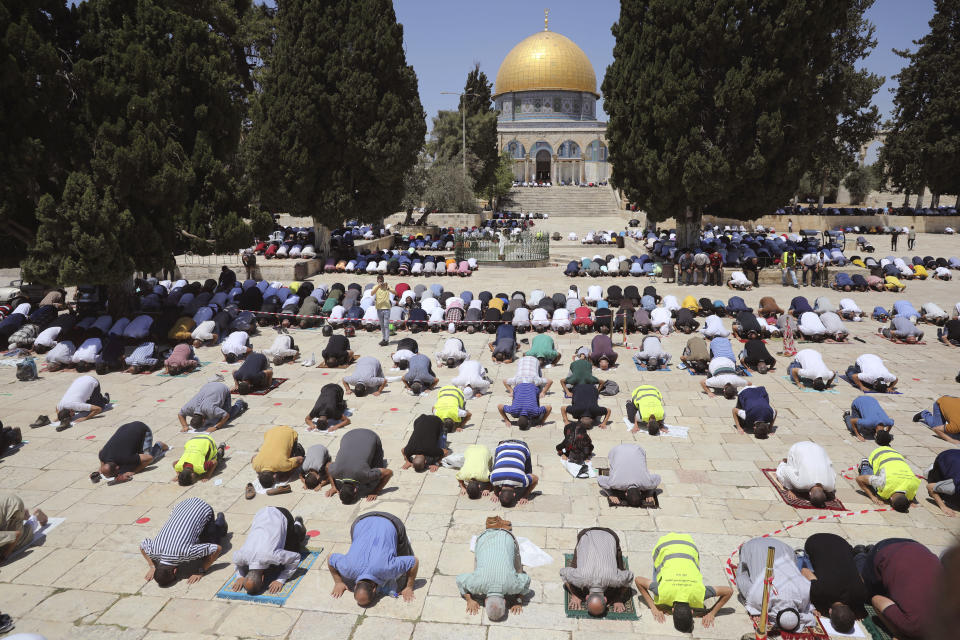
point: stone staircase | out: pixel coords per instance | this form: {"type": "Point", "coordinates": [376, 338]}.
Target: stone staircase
{"type": "Point", "coordinates": [565, 202]}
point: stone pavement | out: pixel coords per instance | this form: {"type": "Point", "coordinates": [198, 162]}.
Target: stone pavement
{"type": "Point", "coordinates": [86, 580]}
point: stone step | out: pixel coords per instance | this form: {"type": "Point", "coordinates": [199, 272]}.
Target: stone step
{"type": "Point", "coordinates": [579, 202]}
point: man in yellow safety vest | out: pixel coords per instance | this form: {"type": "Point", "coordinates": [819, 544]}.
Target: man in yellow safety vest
{"type": "Point", "coordinates": [886, 476]}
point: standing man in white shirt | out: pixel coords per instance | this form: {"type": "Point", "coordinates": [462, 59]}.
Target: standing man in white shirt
{"type": "Point", "coordinates": [808, 469]}
{"type": "Point", "coordinates": [275, 539]}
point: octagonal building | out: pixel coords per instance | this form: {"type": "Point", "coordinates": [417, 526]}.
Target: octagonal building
{"type": "Point", "coordinates": [546, 95]}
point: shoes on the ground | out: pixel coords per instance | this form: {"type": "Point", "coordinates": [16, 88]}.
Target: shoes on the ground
{"type": "Point", "coordinates": [64, 425]}
{"type": "Point", "coordinates": [919, 416]}
{"type": "Point", "coordinates": [383, 343]}
{"type": "Point", "coordinates": [41, 421]}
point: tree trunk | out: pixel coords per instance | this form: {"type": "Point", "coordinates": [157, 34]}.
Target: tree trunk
{"type": "Point", "coordinates": [919, 204]}
{"type": "Point", "coordinates": [906, 199]}
{"type": "Point", "coordinates": [688, 228]}
{"type": "Point", "coordinates": [935, 201]}
{"type": "Point", "coordinates": [823, 190]}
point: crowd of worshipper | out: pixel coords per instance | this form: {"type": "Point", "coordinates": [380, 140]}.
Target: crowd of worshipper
{"type": "Point", "coordinates": [830, 577]}
{"type": "Point", "coordinates": [574, 182]}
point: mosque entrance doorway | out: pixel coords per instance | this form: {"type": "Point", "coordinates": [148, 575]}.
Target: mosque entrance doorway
{"type": "Point", "coordinates": [543, 165]}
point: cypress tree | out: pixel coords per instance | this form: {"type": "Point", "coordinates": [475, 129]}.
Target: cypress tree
{"type": "Point", "coordinates": [36, 112]}
{"type": "Point", "coordinates": [338, 122]}
{"type": "Point", "coordinates": [717, 105]}
{"type": "Point", "coordinates": [161, 101]}
{"type": "Point", "coordinates": [923, 145]}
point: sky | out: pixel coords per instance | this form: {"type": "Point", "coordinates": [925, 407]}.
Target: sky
{"type": "Point", "coordinates": [444, 38]}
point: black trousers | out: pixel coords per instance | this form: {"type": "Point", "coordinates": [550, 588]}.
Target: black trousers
{"type": "Point", "coordinates": [296, 534]}
{"type": "Point", "coordinates": [213, 532]}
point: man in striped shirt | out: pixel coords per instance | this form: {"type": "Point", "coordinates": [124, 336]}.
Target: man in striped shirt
{"type": "Point", "coordinates": [143, 358]}
{"type": "Point", "coordinates": [525, 407]}
{"type": "Point", "coordinates": [190, 534]}
{"type": "Point", "coordinates": [597, 570]}
{"type": "Point", "coordinates": [512, 471]}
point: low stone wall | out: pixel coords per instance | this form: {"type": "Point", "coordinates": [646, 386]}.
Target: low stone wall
{"type": "Point", "coordinates": [923, 224]}
{"type": "Point", "coordinates": [280, 270]}
{"type": "Point", "coordinates": [443, 220]}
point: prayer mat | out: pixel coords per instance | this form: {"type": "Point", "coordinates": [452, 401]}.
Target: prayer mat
{"type": "Point", "coordinates": [823, 342]}
{"type": "Point", "coordinates": [806, 389]}
{"type": "Point", "coordinates": [643, 367]}
{"type": "Point", "coordinates": [816, 632]}
{"type": "Point", "coordinates": [896, 341]}
{"type": "Point", "coordinates": [39, 536]}
{"type": "Point", "coordinates": [201, 364]}
{"type": "Point", "coordinates": [798, 502]}
{"type": "Point", "coordinates": [874, 625]}
{"type": "Point", "coordinates": [307, 558]}
{"type": "Point", "coordinates": [852, 384]}
{"type": "Point", "coordinates": [630, 612]}
{"type": "Point", "coordinates": [262, 392]}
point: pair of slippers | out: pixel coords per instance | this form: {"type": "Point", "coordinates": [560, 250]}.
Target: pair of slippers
{"type": "Point", "coordinates": [43, 421]}
{"type": "Point", "coordinates": [249, 491]}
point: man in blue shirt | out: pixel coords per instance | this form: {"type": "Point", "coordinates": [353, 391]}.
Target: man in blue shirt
{"type": "Point", "coordinates": [505, 345]}
{"type": "Point", "coordinates": [867, 415]}
{"type": "Point", "coordinates": [512, 472]}
{"type": "Point", "coordinates": [753, 411]}
{"type": "Point", "coordinates": [943, 478]}
{"type": "Point", "coordinates": [721, 348]}
{"type": "Point", "coordinates": [380, 557]}
{"type": "Point", "coordinates": [525, 407]}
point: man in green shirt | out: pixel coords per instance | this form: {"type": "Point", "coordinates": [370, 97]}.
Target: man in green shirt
{"type": "Point", "coordinates": [581, 372]}
{"type": "Point", "coordinates": [543, 349]}
{"type": "Point", "coordinates": [498, 574]}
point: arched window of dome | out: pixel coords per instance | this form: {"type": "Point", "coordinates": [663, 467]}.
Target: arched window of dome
{"type": "Point", "coordinates": [596, 152]}
{"type": "Point", "coordinates": [516, 150]}
{"type": "Point", "coordinates": [541, 144]}
{"type": "Point", "coordinates": [569, 149]}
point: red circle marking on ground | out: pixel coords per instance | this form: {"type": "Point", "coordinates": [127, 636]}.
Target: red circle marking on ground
{"type": "Point", "coordinates": [160, 400]}
{"type": "Point", "coordinates": [313, 533]}
{"type": "Point", "coordinates": [143, 520]}
{"type": "Point", "coordinates": [324, 373]}
{"type": "Point", "coordinates": [394, 409]}
{"type": "Point", "coordinates": [90, 437]}
{"type": "Point", "coordinates": [277, 404]}
{"type": "Point", "coordinates": [226, 446]}
{"type": "Point", "coordinates": [916, 379]}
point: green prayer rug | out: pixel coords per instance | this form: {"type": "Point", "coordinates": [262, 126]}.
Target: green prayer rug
{"type": "Point", "coordinates": [630, 613]}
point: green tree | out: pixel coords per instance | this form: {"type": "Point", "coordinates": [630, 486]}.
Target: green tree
{"type": "Point", "coordinates": [82, 237]}
{"type": "Point", "coordinates": [481, 119]}
{"type": "Point", "coordinates": [447, 190]}
{"type": "Point", "coordinates": [836, 151]}
{"type": "Point", "coordinates": [502, 179]}
{"type": "Point", "coordinates": [717, 105]}
{"type": "Point", "coordinates": [860, 182]}
{"type": "Point", "coordinates": [924, 137]}
{"type": "Point", "coordinates": [37, 109]}
{"type": "Point", "coordinates": [160, 106]}
{"type": "Point", "coordinates": [338, 122]}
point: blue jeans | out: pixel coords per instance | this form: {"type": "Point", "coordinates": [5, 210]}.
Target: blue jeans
{"type": "Point", "coordinates": [793, 275]}
{"type": "Point", "coordinates": [933, 418]}
{"type": "Point", "coordinates": [803, 561]}
{"type": "Point", "coordinates": [384, 316]}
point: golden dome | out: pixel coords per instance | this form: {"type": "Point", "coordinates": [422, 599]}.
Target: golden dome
{"type": "Point", "coordinates": [546, 60]}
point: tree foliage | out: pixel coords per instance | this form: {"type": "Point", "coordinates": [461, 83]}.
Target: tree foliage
{"type": "Point", "coordinates": [36, 98]}
{"type": "Point", "coordinates": [447, 190]}
{"type": "Point", "coordinates": [717, 105]}
{"type": "Point", "coordinates": [502, 178]}
{"type": "Point", "coordinates": [923, 144]}
{"type": "Point", "coordinates": [159, 102]}
{"type": "Point", "coordinates": [446, 142]}
{"type": "Point", "coordinates": [860, 182]}
{"type": "Point", "coordinates": [339, 120]}
{"type": "Point", "coordinates": [838, 146]}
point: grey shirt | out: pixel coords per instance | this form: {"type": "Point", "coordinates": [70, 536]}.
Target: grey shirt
{"type": "Point", "coordinates": [360, 458]}
{"type": "Point", "coordinates": [903, 328]}
{"type": "Point", "coordinates": [368, 371]}
{"type": "Point", "coordinates": [628, 468]}
{"type": "Point", "coordinates": [316, 459]}
{"type": "Point", "coordinates": [596, 568]}
{"type": "Point", "coordinates": [832, 323]}
{"type": "Point", "coordinates": [419, 370]}
{"type": "Point", "coordinates": [212, 401]}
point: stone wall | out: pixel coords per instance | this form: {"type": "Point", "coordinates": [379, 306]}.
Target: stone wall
{"type": "Point", "coordinates": [923, 224]}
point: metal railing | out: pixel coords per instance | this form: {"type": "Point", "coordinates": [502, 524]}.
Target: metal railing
{"type": "Point", "coordinates": [521, 248]}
